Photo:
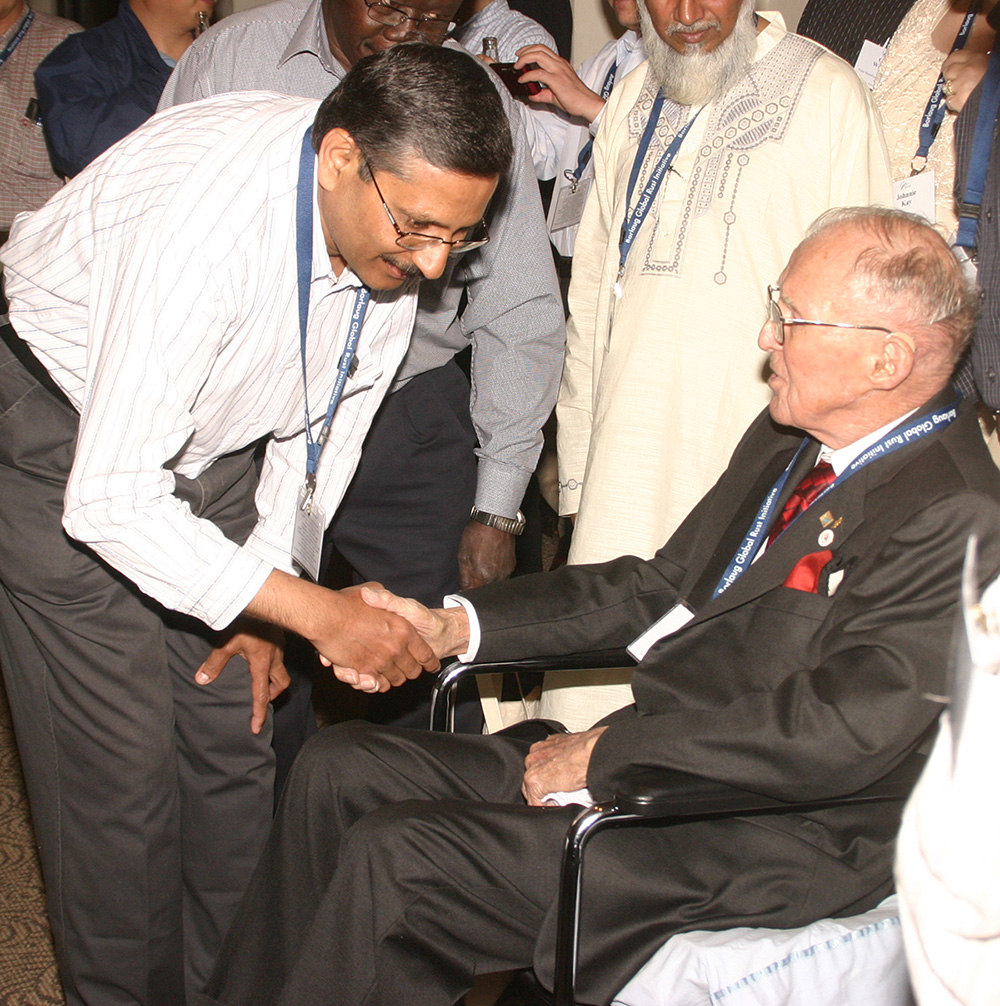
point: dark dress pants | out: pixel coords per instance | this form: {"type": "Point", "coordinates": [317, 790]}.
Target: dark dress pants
{"type": "Point", "coordinates": [149, 795]}
{"type": "Point", "coordinates": [403, 863]}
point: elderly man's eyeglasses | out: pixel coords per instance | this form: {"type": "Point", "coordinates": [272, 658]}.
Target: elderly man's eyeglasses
{"type": "Point", "coordinates": [415, 241]}
{"type": "Point", "coordinates": [426, 24]}
{"type": "Point", "coordinates": [775, 317]}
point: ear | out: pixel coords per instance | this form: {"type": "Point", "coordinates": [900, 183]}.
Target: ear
{"type": "Point", "coordinates": [894, 363]}
{"type": "Point", "coordinates": [339, 157]}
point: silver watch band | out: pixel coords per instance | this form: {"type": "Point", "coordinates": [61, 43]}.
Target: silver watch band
{"type": "Point", "coordinates": [511, 525]}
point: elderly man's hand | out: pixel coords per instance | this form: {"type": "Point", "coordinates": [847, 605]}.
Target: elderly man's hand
{"type": "Point", "coordinates": [263, 647]}
{"type": "Point", "coordinates": [446, 630]}
{"type": "Point", "coordinates": [558, 764]}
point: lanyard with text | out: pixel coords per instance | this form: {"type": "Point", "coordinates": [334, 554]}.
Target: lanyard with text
{"type": "Point", "coordinates": [309, 524]}
{"type": "Point", "coordinates": [22, 30]}
{"type": "Point", "coordinates": [979, 158]}
{"type": "Point", "coordinates": [907, 432]}
{"type": "Point", "coordinates": [937, 106]}
{"type": "Point", "coordinates": [573, 177]}
{"type": "Point", "coordinates": [634, 219]}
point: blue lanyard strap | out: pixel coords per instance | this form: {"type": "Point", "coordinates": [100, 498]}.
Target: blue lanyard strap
{"type": "Point", "coordinates": [588, 148]}
{"type": "Point", "coordinates": [303, 251]}
{"type": "Point", "coordinates": [634, 219]}
{"type": "Point", "coordinates": [979, 159]}
{"type": "Point", "coordinates": [22, 30]}
{"type": "Point", "coordinates": [937, 105]}
{"type": "Point", "coordinates": [906, 432]}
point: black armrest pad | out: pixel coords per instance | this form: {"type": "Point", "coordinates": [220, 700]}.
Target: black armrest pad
{"type": "Point", "coordinates": [663, 793]}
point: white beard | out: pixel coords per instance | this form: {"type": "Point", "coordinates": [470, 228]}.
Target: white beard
{"type": "Point", "coordinates": [695, 77]}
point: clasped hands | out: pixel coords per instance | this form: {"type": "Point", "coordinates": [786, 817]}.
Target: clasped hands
{"type": "Point", "coordinates": [557, 764]}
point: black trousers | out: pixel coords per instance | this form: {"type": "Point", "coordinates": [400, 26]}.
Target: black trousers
{"type": "Point", "coordinates": [402, 863]}
{"type": "Point", "coordinates": [149, 795]}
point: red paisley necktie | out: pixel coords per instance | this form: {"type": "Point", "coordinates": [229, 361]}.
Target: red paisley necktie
{"type": "Point", "coordinates": [805, 492]}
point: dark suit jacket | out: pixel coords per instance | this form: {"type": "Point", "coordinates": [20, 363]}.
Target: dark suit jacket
{"type": "Point", "coordinates": [782, 691]}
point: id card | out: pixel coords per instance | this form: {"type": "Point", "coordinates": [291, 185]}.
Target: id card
{"type": "Point", "coordinates": [307, 535]}
{"type": "Point", "coordinates": [916, 195]}
{"type": "Point", "coordinates": [868, 62]}
{"type": "Point", "coordinates": [676, 618]}
{"type": "Point", "coordinates": [568, 210]}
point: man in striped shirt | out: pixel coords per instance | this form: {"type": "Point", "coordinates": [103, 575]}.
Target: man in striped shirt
{"type": "Point", "coordinates": [156, 336]}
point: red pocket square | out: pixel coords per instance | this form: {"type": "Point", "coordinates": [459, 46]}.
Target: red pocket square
{"type": "Point", "coordinates": [805, 573]}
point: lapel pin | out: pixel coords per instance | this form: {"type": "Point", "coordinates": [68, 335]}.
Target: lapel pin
{"type": "Point", "coordinates": [825, 538]}
{"type": "Point", "coordinates": [838, 522]}
{"type": "Point", "coordinates": [826, 519]}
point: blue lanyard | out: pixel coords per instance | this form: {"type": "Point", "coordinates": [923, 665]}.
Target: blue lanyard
{"type": "Point", "coordinates": [22, 30]}
{"type": "Point", "coordinates": [303, 250]}
{"type": "Point", "coordinates": [907, 432]}
{"type": "Point", "coordinates": [634, 219]}
{"type": "Point", "coordinates": [979, 159]}
{"type": "Point", "coordinates": [937, 106]}
{"type": "Point", "coordinates": [573, 177]}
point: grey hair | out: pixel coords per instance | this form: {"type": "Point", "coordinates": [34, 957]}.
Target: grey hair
{"type": "Point", "coordinates": [909, 262]}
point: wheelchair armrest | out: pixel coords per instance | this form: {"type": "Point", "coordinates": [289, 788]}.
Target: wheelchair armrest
{"type": "Point", "coordinates": [441, 693]}
{"type": "Point", "coordinates": [663, 793]}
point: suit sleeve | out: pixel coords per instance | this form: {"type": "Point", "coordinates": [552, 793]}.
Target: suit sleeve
{"type": "Point", "coordinates": [798, 695]}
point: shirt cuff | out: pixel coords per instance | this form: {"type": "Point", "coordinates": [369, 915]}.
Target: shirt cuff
{"type": "Point", "coordinates": [475, 633]}
{"type": "Point", "coordinates": [500, 487]}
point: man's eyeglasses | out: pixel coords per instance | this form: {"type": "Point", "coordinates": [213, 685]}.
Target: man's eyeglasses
{"type": "Point", "coordinates": [779, 322]}
{"type": "Point", "coordinates": [415, 241]}
{"type": "Point", "coordinates": [427, 25]}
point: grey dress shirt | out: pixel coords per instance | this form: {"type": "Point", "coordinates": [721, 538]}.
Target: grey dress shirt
{"type": "Point", "coordinates": [513, 318]}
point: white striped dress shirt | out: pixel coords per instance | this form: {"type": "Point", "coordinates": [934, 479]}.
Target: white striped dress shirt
{"type": "Point", "coordinates": [159, 288]}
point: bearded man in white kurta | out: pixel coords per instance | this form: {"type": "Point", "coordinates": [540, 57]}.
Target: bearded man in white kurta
{"type": "Point", "coordinates": [662, 369]}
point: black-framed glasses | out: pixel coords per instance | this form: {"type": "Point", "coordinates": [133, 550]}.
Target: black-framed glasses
{"type": "Point", "coordinates": [775, 317]}
{"type": "Point", "coordinates": [415, 241]}
{"type": "Point", "coordinates": [428, 25]}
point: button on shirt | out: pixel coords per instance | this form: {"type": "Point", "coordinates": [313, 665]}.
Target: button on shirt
{"type": "Point", "coordinates": [159, 288]}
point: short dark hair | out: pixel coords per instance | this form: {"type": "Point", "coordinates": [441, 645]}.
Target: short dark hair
{"type": "Point", "coordinates": [420, 99]}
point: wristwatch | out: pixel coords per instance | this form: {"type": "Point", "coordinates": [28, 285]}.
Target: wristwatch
{"type": "Point", "coordinates": [512, 525]}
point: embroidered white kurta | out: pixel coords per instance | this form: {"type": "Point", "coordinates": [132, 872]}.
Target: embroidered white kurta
{"type": "Point", "coordinates": [660, 383]}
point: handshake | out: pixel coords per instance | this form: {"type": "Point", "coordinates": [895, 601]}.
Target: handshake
{"type": "Point", "coordinates": [405, 638]}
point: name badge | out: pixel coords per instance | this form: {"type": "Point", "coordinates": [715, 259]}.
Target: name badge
{"type": "Point", "coordinates": [570, 201]}
{"type": "Point", "coordinates": [676, 618]}
{"type": "Point", "coordinates": [916, 195]}
{"type": "Point", "coordinates": [868, 62]}
{"type": "Point", "coordinates": [307, 535]}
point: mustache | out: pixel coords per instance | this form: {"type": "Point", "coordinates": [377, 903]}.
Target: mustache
{"type": "Point", "coordinates": [691, 29]}
{"type": "Point", "coordinates": [408, 269]}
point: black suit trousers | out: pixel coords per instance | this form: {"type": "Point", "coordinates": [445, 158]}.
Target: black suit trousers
{"type": "Point", "coordinates": [403, 863]}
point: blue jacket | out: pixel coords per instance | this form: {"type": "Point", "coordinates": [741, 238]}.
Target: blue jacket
{"type": "Point", "coordinates": [96, 87]}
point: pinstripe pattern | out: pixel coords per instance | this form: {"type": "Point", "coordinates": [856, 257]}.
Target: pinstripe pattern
{"type": "Point", "coordinates": [843, 27]}
{"type": "Point", "coordinates": [159, 289]}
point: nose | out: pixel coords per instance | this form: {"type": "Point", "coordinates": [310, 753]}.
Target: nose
{"type": "Point", "coordinates": [767, 339]}
{"type": "Point", "coordinates": [408, 31]}
{"type": "Point", "coordinates": [690, 11]}
{"type": "Point", "coordinates": [431, 261]}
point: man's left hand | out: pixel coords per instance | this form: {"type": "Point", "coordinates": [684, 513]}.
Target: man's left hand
{"type": "Point", "coordinates": [263, 647]}
{"type": "Point", "coordinates": [485, 555]}
{"type": "Point", "coordinates": [558, 764]}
